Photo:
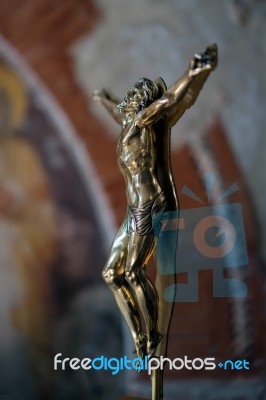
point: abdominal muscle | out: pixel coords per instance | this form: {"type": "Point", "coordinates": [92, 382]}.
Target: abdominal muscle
{"type": "Point", "coordinates": [142, 188]}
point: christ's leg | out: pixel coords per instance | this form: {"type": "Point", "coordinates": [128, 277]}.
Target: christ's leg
{"type": "Point", "coordinates": [140, 249]}
{"type": "Point", "coordinates": [114, 276]}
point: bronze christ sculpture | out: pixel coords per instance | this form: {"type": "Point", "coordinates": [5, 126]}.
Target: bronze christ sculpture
{"type": "Point", "coordinates": [146, 116]}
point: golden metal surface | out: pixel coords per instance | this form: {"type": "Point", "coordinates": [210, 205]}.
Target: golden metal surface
{"type": "Point", "coordinates": [146, 115]}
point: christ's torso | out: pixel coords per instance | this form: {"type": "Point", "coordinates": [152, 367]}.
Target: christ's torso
{"type": "Point", "coordinates": [137, 157]}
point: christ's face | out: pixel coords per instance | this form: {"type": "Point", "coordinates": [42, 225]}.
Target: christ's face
{"type": "Point", "coordinates": [132, 100]}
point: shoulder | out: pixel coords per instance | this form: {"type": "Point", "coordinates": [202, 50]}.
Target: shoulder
{"type": "Point", "coordinates": [152, 113]}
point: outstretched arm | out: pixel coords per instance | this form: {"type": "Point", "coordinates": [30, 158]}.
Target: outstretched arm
{"type": "Point", "coordinates": [200, 68]}
{"type": "Point", "coordinates": [110, 102]}
{"type": "Point", "coordinates": [183, 93]}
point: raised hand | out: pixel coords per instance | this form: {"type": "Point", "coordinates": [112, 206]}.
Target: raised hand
{"type": "Point", "coordinates": [99, 95]}
{"type": "Point", "coordinates": [204, 61]}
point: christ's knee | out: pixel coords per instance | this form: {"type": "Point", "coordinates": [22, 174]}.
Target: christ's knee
{"type": "Point", "coordinates": [112, 278]}
{"type": "Point", "coordinates": [132, 274]}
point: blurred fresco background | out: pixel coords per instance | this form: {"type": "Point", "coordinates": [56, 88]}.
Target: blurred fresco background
{"type": "Point", "coordinates": [62, 196]}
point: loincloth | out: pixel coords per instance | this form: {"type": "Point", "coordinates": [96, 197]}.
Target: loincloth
{"type": "Point", "coordinates": [139, 219]}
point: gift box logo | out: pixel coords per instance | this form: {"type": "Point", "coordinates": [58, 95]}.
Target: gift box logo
{"type": "Point", "coordinates": [210, 237]}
